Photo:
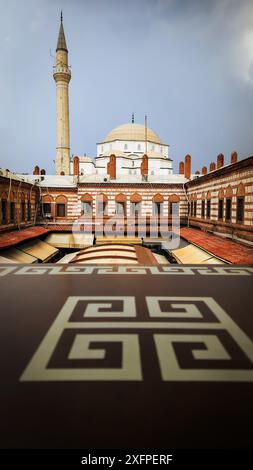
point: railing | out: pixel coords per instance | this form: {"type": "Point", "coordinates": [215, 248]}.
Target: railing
{"type": "Point", "coordinates": [60, 69]}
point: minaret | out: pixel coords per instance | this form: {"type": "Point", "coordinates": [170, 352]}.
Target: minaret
{"type": "Point", "coordinates": [62, 76]}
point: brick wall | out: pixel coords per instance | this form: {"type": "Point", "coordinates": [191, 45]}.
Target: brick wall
{"type": "Point", "coordinates": [229, 182]}
{"type": "Point", "coordinates": [17, 203]}
{"type": "Point", "coordinates": [109, 192]}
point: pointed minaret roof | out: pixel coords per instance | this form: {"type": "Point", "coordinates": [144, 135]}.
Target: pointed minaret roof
{"type": "Point", "coordinates": [61, 44]}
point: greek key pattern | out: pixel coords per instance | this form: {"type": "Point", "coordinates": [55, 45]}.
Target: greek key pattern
{"type": "Point", "coordinates": [104, 339]}
{"type": "Point", "coordinates": [115, 270]}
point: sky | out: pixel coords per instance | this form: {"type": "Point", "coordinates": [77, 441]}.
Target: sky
{"type": "Point", "coordinates": [187, 64]}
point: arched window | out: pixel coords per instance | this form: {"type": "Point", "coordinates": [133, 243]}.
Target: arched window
{"type": "Point", "coordinates": [174, 201]}
{"type": "Point", "coordinates": [22, 203]}
{"type": "Point", "coordinates": [135, 201]}
{"type": "Point", "coordinates": [195, 205]}
{"type": "Point", "coordinates": [157, 205]}
{"type": "Point", "coordinates": [12, 207]}
{"type": "Point", "coordinates": [47, 206]}
{"type": "Point", "coordinates": [220, 204]}
{"type": "Point", "coordinates": [28, 209]}
{"type": "Point", "coordinates": [4, 207]}
{"type": "Point", "coordinates": [229, 195]}
{"type": "Point", "coordinates": [208, 205]}
{"type": "Point", "coordinates": [87, 204]}
{"type": "Point", "coordinates": [120, 204]}
{"type": "Point", "coordinates": [229, 192]}
{"type": "Point", "coordinates": [102, 204]}
{"type": "Point", "coordinates": [191, 206]}
{"type": "Point", "coordinates": [203, 205]}
{"type": "Point", "coordinates": [61, 206]}
{"type": "Point", "coordinates": [240, 195]}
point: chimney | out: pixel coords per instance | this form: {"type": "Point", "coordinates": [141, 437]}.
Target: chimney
{"type": "Point", "coordinates": [197, 173]}
{"type": "Point", "coordinates": [43, 172]}
{"type": "Point", "coordinates": [181, 168]}
{"type": "Point", "coordinates": [220, 160]}
{"type": "Point", "coordinates": [36, 170]}
{"type": "Point", "coordinates": [111, 167]}
{"type": "Point", "coordinates": [144, 165]}
{"type": "Point", "coordinates": [233, 157]}
{"type": "Point", "coordinates": [212, 166]}
{"type": "Point", "coordinates": [187, 166]}
{"type": "Point", "coordinates": [204, 170]}
{"type": "Point", "coordinates": [76, 166]}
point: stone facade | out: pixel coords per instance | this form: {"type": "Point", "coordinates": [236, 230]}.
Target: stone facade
{"type": "Point", "coordinates": [19, 202]}
{"type": "Point", "coordinates": [220, 201]}
{"type": "Point", "coordinates": [232, 183]}
{"type": "Point", "coordinates": [148, 196]}
{"type": "Point", "coordinates": [131, 176]}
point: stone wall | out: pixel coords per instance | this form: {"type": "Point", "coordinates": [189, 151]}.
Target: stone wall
{"type": "Point", "coordinates": [18, 202]}
{"type": "Point", "coordinates": [230, 182]}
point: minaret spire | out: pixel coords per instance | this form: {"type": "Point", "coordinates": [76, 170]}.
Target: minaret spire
{"type": "Point", "coordinates": [61, 43]}
{"type": "Point", "coordinates": [62, 76]}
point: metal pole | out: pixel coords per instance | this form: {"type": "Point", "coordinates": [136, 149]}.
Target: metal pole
{"type": "Point", "coordinates": [146, 135]}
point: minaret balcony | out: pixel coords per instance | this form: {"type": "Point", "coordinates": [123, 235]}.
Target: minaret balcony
{"type": "Point", "coordinates": [61, 70]}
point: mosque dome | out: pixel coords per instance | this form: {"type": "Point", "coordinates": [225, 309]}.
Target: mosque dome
{"type": "Point", "coordinates": [132, 131]}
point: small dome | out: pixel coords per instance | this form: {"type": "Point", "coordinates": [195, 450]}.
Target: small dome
{"type": "Point", "coordinates": [132, 132]}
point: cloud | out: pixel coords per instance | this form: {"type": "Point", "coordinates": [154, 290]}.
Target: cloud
{"type": "Point", "coordinates": [188, 64]}
{"type": "Point", "coordinates": [244, 57]}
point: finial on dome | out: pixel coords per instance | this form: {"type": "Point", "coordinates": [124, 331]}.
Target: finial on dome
{"type": "Point", "coordinates": [132, 118]}
{"type": "Point", "coordinates": [61, 17]}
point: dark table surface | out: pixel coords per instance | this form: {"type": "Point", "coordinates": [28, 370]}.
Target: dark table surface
{"type": "Point", "coordinates": [126, 357]}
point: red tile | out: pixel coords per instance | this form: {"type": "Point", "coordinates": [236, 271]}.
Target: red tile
{"type": "Point", "coordinates": [230, 251]}
{"type": "Point", "coordinates": [14, 237]}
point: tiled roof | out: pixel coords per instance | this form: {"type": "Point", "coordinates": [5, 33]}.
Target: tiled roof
{"type": "Point", "coordinates": [230, 251]}
{"type": "Point", "coordinates": [14, 237]}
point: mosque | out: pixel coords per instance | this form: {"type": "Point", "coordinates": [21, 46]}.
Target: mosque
{"type": "Point", "coordinates": [132, 175]}
{"type": "Point", "coordinates": [128, 143]}
{"type": "Point", "coordinates": [119, 341]}
{"type": "Point", "coordinates": [120, 154]}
